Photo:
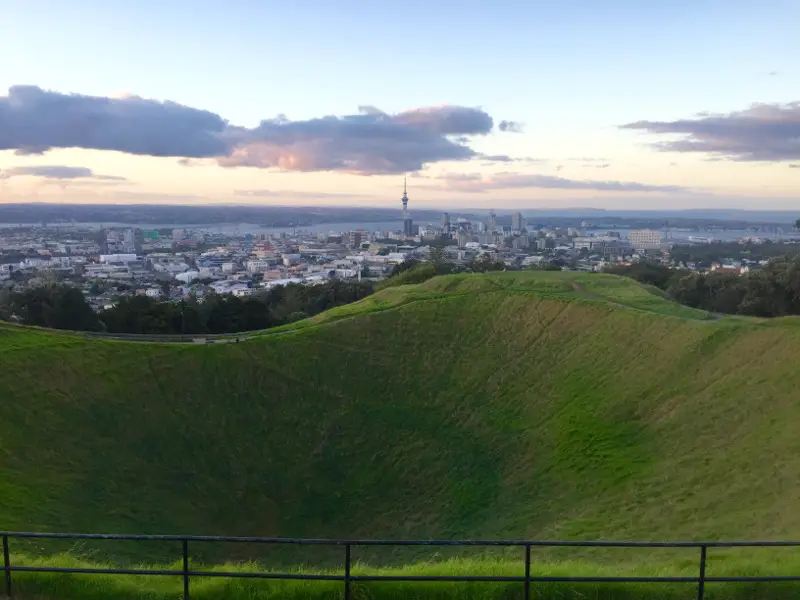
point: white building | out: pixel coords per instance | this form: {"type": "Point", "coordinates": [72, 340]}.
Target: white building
{"type": "Point", "coordinates": [117, 258]}
{"type": "Point", "coordinates": [645, 239]}
{"type": "Point", "coordinates": [188, 276]}
{"type": "Point", "coordinates": [258, 266]}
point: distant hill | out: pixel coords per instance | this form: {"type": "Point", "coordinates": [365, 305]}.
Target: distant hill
{"type": "Point", "coordinates": [510, 405]}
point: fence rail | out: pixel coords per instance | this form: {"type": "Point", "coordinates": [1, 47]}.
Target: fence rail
{"type": "Point", "coordinates": [526, 578]}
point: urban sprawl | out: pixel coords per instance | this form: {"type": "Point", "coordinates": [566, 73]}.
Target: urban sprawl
{"type": "Point", "coordinates": [113, 262]}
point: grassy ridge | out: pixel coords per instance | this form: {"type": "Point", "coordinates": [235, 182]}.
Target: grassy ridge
{"type": "Point", "coordinates": [536, 405]}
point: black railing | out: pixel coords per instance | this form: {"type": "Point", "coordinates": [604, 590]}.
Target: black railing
{"type": "Point", "coordinates": [347, 578]}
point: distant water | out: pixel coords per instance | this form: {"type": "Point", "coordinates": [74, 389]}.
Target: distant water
{"type": "Point", "coordinates": [720, 235]}
{"type": "Point", "coordinates": [226, 228]}
{"type": "Point", "coordinates": [255, 229]}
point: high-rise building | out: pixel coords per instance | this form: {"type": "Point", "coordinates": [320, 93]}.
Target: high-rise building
{"type": "Point", "coordinates": [492, 221]}
{"type": "Point", "coordinates": [517, 222]}
{"type": "Point", "coordinates": [645, 239]}
{"type": "Point", "coordinates": [446, 222]}
{"type": "Point", "coordinates": [354, 239]}
{"type": "Point", "coordinates": [408, 224]}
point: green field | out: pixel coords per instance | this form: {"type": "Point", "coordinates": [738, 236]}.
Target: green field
{"type": "Point", "coordinates": [510, 405]}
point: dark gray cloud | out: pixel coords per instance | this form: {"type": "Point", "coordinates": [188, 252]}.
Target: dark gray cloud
{"type": "Point", "coordinates": [369, 143]}
{"type": "Point", "coordinates": [794, 166]}
{"type": "Point", "coordinates": [763, 132]}
{"type": "Point", "coordinates": [61, 172]}
{"type": "Point", "coordinates": [511, 126]}
{"type": "Point", "coordinates": [477, 183]}
{"type": "Point", "coordinates": [33, 121]}
{"type": "Point", "coordinates": [447, 120]}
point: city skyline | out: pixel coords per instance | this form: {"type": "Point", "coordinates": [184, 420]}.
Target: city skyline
{"type": "Point", "coordinates": [609, 105]}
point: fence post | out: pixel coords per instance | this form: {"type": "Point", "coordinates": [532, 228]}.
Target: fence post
{"type": "Point", "coordinates": [347, 572]}
{"type": "Point", "coordinates": [185, 569]}
{"type": "Point", "coordinates": [7, 565]}
{"type": "Point", "coordinates": [702, 582]}
{"type": "Point", "coordinates": [527, 571]}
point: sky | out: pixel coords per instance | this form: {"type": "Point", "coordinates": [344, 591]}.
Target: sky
{"type": "Point", "coordinates": [618, 104]}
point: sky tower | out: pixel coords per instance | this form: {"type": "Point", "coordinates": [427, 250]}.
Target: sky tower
{"type": "Point", "coordinates": [408, 224]}
{"type": "Point", "coordinates": [405, 197]}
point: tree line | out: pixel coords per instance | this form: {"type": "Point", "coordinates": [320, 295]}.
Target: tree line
{"type": "Point", "coordinates": [771, 291]}
{"type": "Point", "coordinates": [705, 254]}
{"type": "Point", "coordinates": [60, 306]}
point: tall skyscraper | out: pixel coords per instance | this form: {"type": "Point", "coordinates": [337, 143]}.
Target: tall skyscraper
{"type": "Point", "coordinates": [492, 221]}
{"type": "Point", "coordinates": [408, 224]}
{"type": "Point", "coordinates": [446, 222]}
{"type": "Point", "coordinates": [517, 222]}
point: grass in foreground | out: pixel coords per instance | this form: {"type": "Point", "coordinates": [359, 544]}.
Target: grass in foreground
{"type": "Point", "coordinates": [41, 586]}
{"type": "Point", "coordinates": [511, 405]}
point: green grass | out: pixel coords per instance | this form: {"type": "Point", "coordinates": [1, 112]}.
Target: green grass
{"type": "Point", "coordinates": [129, 587]}
{"type": "Point", "coordinates": [507, 405]}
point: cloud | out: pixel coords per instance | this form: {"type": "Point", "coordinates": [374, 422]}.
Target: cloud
{"type": "Point", "coordinates": [446, 120]}
{"type": "Point", "coordinates": [763, 132]}
{"type": "Point", "coordinates": [369, 143]}
{"type": "Point", "coordinates": [794, 166]}
{"type": "Point", "coordinates": [491, 159]}
{"type": "Point", "coordinates": [501, 158]}
{"type": "Point", "coordinates": [60, 172]}
{"type": "Point", "coordinates": [477, 183]}
{"type": "Point", "coordinates": [291, 194]}
{"type": "Point", "coordinates": [590, 162]}
{"type": "Point", "coordinates": [33, 121]}
{"type": "Point", "coordinates": [511, 126]}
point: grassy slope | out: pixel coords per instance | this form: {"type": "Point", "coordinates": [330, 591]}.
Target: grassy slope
{"type": "Point", "coordinates": [547, 405]}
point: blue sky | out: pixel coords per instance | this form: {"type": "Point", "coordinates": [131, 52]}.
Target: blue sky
{"type": "Point", "coordinates": [571, 72]}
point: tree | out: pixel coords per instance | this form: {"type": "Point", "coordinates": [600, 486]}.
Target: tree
{"type": "Point", "coordinates": [645, 272]}
{"type": "Point", "coordinates": [56, 306]}
{"type": "Point", "coordinates": [406, 265]}
{"type": "Point", "coordinates": [6, 309]}
{"type": "Point", "coordinates": [486, 263]}
{"type": "Point", "coordinates": [437, 255]}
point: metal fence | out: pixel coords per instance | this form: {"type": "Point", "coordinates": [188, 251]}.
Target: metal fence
{"type": "Point", "coordinates": [526, 577]}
